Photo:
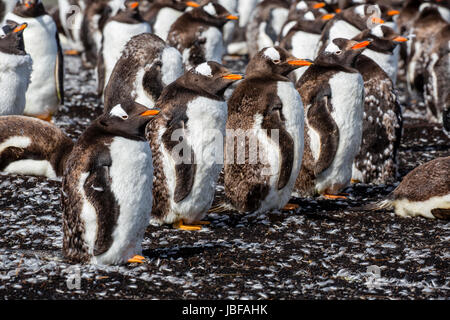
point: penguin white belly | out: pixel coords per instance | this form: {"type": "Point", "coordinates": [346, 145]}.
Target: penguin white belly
{"type": "Point", "coordinates": [293, 113]}
{"type": "Point", "coordinates": [205, 133]}
{"type": "Point", "coordinates": [131, 184]}
{"type": "Point", "coordinates": [72, 23]}
{"type": "Point", "coordinates": [15, 73]}
{"type": "Point", "coordinates": [263, 39]}
{"type": "Point", "coordinates": [347, 101]}
{"type": "Point", "coordinates": [40, 44]}
{"type": "Point", "coordinates": [387, 62]}
{"type": "Point", "coordinates": [164, 20]}
{"type": "Point", "coordinates": [245, 9]}
{"type": "Point", "coordinates": [279, 17]}
{"type": "Point", "coordinates": [342, 29]}
{"type": "Point", "coordinates": [214, 48]}
{"type": "Point", "coordinates": [116, 35]}
{"type": "Point", "coordinates": [304, 46]}
{"type": "Point", "coordinates": [407, 208]}
{"type": "Point", "coordinates": [228, 28]}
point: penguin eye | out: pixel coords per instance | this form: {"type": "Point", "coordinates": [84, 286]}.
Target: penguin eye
{"type": "Point", "coordinates": [338, 52]}
{"type": "Point", "coordinates": [276, 61]}
{"type": "Point", "coordinates": [124, 117]}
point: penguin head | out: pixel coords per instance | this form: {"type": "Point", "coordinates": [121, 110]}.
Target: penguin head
{"type": "Point", "coordinates": [128, 120]}
{"type": "Point", "coordinates": [383, 38]}
{"type": "Point", "coordinates": [179, 5]}
{"type": "Point", "coordinates": [304, 6]}
{"type": "Point", "coordinates": [211, 77]}
{"type": "Point", "coordinates": [363, 16]}
{"type": "Point", "coordinates": [274, 60]}
{"type": "Point", "coordinates": [29, 8]}
{"type": "Point", "coordinates": [341, 53]}
{"type": "Point", "coordinates": [213, 13]}
{"type": "Point", "coordinates": [11, 38]}
{"type": "Point", "coordinates": [131, 6]}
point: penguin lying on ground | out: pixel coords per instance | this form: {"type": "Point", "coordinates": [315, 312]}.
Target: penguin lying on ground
{"type": "Point", "coordinates": [15, 69]}
{"type": "Point", "coordinates": [146, 66]}
{"type": "Point", "coordinates": [265, 121]}
{"type": "Point", "coordinates": [106, 192]}
{"type": "Point", "coordinates": [425, 191]}
{"type": "Point", "coordinates": [195, 111]}
{"type": "Point", "coordinates": [46, 90]}
{"type": "Point", "coordinates": [197, 34]}
{"type": "Point", "coordinates": [30, 146]}
{"type": "Point", "coordinates": [332, 91]}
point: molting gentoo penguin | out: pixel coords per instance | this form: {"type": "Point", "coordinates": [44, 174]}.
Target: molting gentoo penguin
{"type": "Point", "coordinates": [332, 91]}
{"type": "Point", "coordinates": [31, 146]}
{"type": "Point", "coordinates": [425, 191]}
{"type": "Point", "coordinates": [265, 114]}
{"type": "Point", "coordinates": [146, 66]}
{"type": "Point", "coordinates": [46, 90]}
{"type": "Point", "coordinates": [265, 24]}
{"type": "Point", "coordinates": [382, 124]}
{"type": "Point", "coordinates": [197, 34]}
{"type": "Point", "coordinates": [117, 32]}
{"type": "Point", "coordinates": [163, 13]}
{"type": "Point", "coordinates": [15, 69]}
{"type": "Point", "coordinates": [107, 188]}
{"type": "Point", "coordinates": [195, 111]}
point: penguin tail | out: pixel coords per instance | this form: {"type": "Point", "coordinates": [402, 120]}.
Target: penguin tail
{"type": "Point", "coordinates": [385, 204]}
{"type": "Point", "coordinates": [220, 208]}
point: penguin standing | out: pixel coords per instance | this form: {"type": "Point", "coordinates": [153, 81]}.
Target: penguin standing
{"type": "Point", "coordinates": [106, 192]}
{"type": "Point", "coordinates": [186, 174]}
{"type": "Point", "coordinates": [71, 13]}
{"type": "Point", "coordinates": [15, 69]}
{"type": "Point", "coordinates": [146, 67]}
{"type": "Point", "coordinates": [31, 146]}
{"type": "Point", "coordinates": [197, 34]}
{"type": "Point", "coordinates": [425, 191]}
{"type": "Point", "coordinates": [46, 90]}
{"type": "Point", "coordinates": [117, 32]}
{"type": "Point", "coordinates": [230, 26]}
{"type": "Point", "coordinates": [376, 162]}
{"type": "Point", "coordinates": [163, 13]}
{"type": "Point", "coordinates": [265, 122]}
{"type": "Point", "coordinates": [332, 91]}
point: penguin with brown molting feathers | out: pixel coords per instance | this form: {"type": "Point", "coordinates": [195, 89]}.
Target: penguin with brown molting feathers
{"type": "Point", "coordinates": [107, 188]}
{"type": "Point", "coordinates": [332, 91]}
{"type": "Point", "coordinates": [197, 34]}
{"type": "Point", "coordinates": [194, 112]}
{"type": "Point", "coordinates": [264, 146]}
{"type": "Point", "coordinates": [30, 146]}
{"type": "Point", "coordinates": [425, 191]}
{"type": "Point", "coordinates": [146, 67]}
{"type": "Point", "coordinates": [15, 69]}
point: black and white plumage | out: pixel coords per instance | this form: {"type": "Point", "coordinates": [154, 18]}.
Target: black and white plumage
{"type": "Point", "coordinates": [107, 193]}
{"type": "Point", "coordinates": [5, 7]}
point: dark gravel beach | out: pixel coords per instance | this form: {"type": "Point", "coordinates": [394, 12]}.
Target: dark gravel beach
{"type": "Point", "coordinates": [324, 250]}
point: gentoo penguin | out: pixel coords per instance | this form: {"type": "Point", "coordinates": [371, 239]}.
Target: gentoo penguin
{"type": "Point", "coordinates": [31, 146]}
{"type": "Point", "coordinates": [265, 24]}
{"type": "Point", "coordinates": [265, 114]}
{"type": "Point", "coordinates": [46, 90]}
{"type": "Point", "coordinates": [303, 38]}
{"type": "Point", "coordinates": [163, 13]}
{"type": "Point", "coordinates": [71, 14]}
{"type": "Point", "coordinates": [106, 192]}
{"type": "Point", "coordinates": [442, 6]}
{"type": "Point", "coordinates": [5, 7]}
{"type": "Point", "coordinates": [146, 66]}
{"type": "Point", "coordinates": [117, 32]}
{"type": "Point", "coordinates": [376, 162]}
{"type": "Point", "coordinates": [332, 91]}
{"type": "Point", "coordinates": [197, 34]}
{"type": "Point", "coordinates": [230, 26]}
{"type": "Point", "coordinates": [425, 191]}
{"type": "Point", "coordinates": [15, 69]}
{"type": "Point", "coordinates": [186, 174]}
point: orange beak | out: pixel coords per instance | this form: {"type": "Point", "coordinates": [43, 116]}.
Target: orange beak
{"type": "Point", "coordinates": [134, 5]}
{"type": "Point", "coordinates": [338, 10]}
{"type": "Point", "coordinates": [192, 4]}
{"type": "Point", "coordinates": [400, 39]}
{"type": "Point", "coordinates": [300, 62]}
{"type": "Point", "coordinates": [361, 45]}
{"type": "Point", "coordinates": [319, 5]}
{"type": "Point", "coordinates": [151, 113]}
{"type": "Point", "coordinates": [328, 16]}
{"type": "Point", "coordinates": [20, 28]}
{"type": "Point", "coordinates": [377, 20]}
{"type": "Point", "coordinates": [393, 12]}
{"type": "Point", "coordinates": [233, 77]}
{"type": "Point", "coordinates": [231, 17]}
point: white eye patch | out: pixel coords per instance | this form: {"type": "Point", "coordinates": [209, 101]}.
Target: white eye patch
{"type": "Point", "coordinates": [204, 69]}
{"type": "Point", "coordinates": [272, 54]}
{"type": "Point", "coordinates": [118, 111]}
{"type": "Point", "coordinates": [360, 10]}
{"type": "Point", "coordinates": [332, 48]}
{"type": "Point", "coordinates": [377, 31]}
{"type": "Point", "coordinates": [209, 8]}
{"type": "Point", "coordinates": [302, 6]}
{"type": "Point", "coordinates": [309, 16]}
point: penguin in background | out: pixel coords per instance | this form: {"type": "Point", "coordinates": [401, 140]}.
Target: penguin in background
{"type": "Point", "coordinates": [197, 34]}
{"type": "Point", "coordinates": [6, 6]}
{"type": "Point", "coordinates": [71, 15]}
{"type": "Point", "coordinates": [163, 13]}
{"type": "Point", "coordinates": [117, 32]}
{"type": "Point", "coordinates": [146, 67]}
{"type": "Point", "coordinates": [265, 122]}
{"type": "Point", "coordinates": [265, 24]}
{"type": "Point", "coordinates": [332, 91]}
{"type": "Point", "coordinates": [446, 120]}
{"type": "Point", "coordinates": [46, 91]}
{"type": "Point", "coordinates": [376, 162]}
{"type": "Point", "coordinates": [15, 69]}
{"type": "Point", "coordinates": [194, 112]}
{"type": "Point", "coordinates": [30, 146]}
{"type": "Point", "coordinates": [106, 192]}
{"type": "Point", "coordinates": [230, 26]}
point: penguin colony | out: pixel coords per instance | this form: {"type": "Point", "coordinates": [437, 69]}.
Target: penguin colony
{"type": "Point", "coordinates": [315, 110]}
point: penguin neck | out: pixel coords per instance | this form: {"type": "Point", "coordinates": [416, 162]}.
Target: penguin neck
{"type": "Point", "coordinates": [206, 91]}
{"type": "Point", "coordinates": [201, 17]}
{"type": "Point", "coordinates": [315, 27]}
{"type": "Point", "coordinates": [266, 75]}
{"type": "Point", "coordinates": [98, 129]}
{"type": "Point", "coordinates": [130, 17]}
{"type": "Point", "coordinates": [37, 11]}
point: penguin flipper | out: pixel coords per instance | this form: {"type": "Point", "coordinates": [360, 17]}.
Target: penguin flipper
{"type": "Point", "coordinates": [59, 72]}
{"type": "Point", "coordinates": [100, 72]}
